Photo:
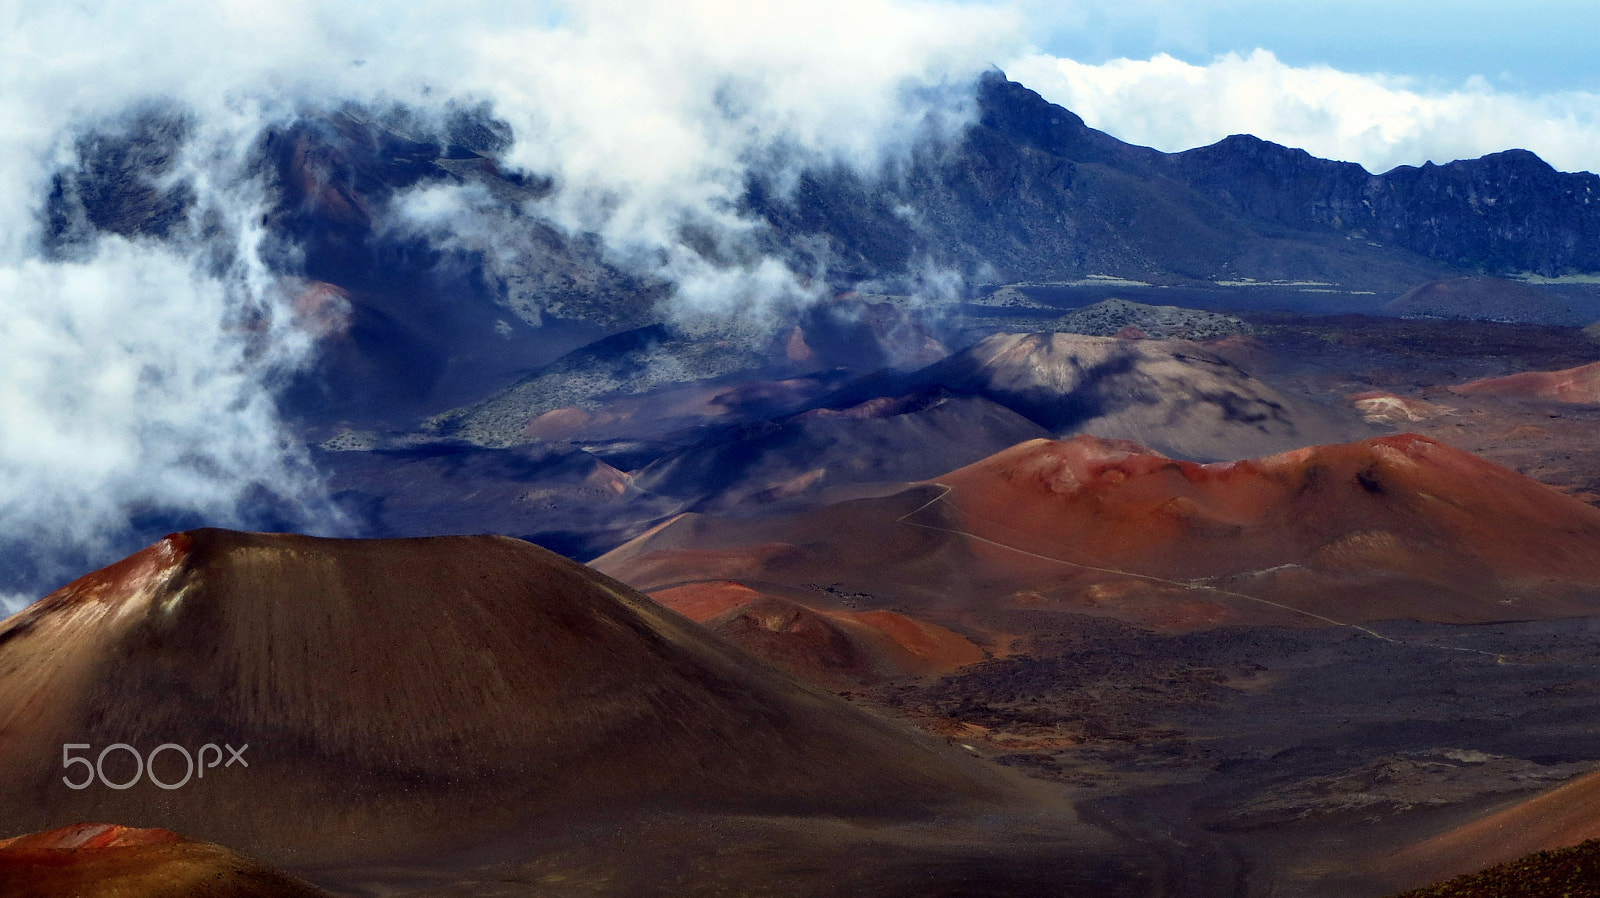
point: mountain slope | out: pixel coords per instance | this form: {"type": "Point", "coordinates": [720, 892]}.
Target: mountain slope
{"type": "Point", "coordinates": [1035, 194]}
{"type": "Point", "coordinates": [832, 648]}
{"type": "Point", "coordinates": [396, 693]}
{"type": "Point", "coordinates": [1393, 528]}
{"type": "Point", "coordinates": [1172, 395]}
{"type": "Point", "coordinates": [1560, 818]}
{"type": "Point", "coordinates": [1483, 298]}
{"type": "Point", "coordinates": [901, 438]}
{"type": "Point", "coordinates": [1027, 193]}
{"type": "Point", "coordinates": [1402, 503]}
{"type": "Point", "coordinates": [1576, 386]}
{"type": "Point", "coordinates": [1565, 872]}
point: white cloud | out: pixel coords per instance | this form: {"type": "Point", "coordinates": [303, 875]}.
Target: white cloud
{"type": "Point", "coordinates": [135, 375]}
{"type": "Point", "coordinates": [138, 374]}
{"type": "Point", "coordinates": [650, 115]}
{"type": "Point", "coordinates": [1377, 120]}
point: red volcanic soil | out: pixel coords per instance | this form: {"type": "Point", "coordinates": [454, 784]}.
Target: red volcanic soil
{"type": "Point", "coordinates": [668, 553]}
{"type": "Point", "coordinates": [398, 693]}
{"type": "Point", "coordinates": [1399, 527]}
{"type": "Point", "coordinates": [829, 647]}
{"type": "Point", "coordinates": [83, 838]}
{"type": "Point", "coordinates": [1566, 815]}
{"type": "Point", "coordinates": [858, 541]}
{"type": "Point", "coordinates": [701, 602]}
{"type": "Point", "coordinates": [1577, 386]}
{"type": "Point", "coordinates": [1455, 537]}
{"type": "Point", "coordinates": [99, 860]}
{"type": "Point", "coordinates": [936, 649]}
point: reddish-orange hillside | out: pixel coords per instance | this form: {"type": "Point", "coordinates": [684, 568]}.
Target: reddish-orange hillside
{"type": "Point", "coordinates": [98, 860]}
{"type": "Point", "coordinates": [831, 647]}
{"type": "Point", "coordinates": [1579, 386]}
{"type": "Point", "coordinates": [1404, 512]}
{"type": "Point", "coordinates": [1400, 527]}
{"type": "Point", "coordinates": [1564, 816]}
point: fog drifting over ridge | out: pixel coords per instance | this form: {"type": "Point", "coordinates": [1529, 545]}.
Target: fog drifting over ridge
{"type": "Point", "coordinates": [138, 375]}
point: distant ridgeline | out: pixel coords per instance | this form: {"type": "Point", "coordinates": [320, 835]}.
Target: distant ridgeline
{"type": "Point", "coordinates": [1037, 194]}
{"type": "Point", "coordinates": [1028, 193]}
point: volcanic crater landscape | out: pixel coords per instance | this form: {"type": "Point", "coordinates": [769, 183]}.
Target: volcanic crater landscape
{"type": "Point", "coordinates": [1233, 530]}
